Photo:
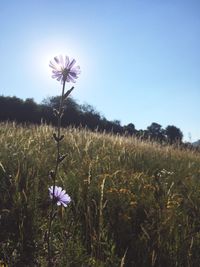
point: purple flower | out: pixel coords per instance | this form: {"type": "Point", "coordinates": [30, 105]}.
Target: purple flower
{"type": "Point", "coordinates": [60, 196]}
{"type": "Point", "coordinates": [64, 69]}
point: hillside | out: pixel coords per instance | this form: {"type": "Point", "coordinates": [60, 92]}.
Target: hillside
{"type": "Point", "coordinates": [132, 201]}
{"type": "Point", "coordinates": [196, 144]}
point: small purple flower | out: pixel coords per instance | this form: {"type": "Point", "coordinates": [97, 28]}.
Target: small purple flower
{"type": "Point", "coordinates": [64, 69]}
{"type": "Point", "coordinates": [60, 196]}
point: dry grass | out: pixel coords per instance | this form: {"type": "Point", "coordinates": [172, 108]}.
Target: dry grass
{"type": "Point", "coordinates": [134, 202]}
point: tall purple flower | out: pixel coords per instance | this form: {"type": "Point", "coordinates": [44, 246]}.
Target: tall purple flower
{"type": "Point", "coordinates": [64, 69]}
{"type": "Point", "coordinates": [60, 196]}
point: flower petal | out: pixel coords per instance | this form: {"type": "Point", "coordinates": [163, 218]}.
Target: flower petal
{"type": "Point", "coordinates": [72, 63]}
{"type": "Point", "coordinates": [61, 61]}
{"type": "Point", "coordinates": [56, 60]}
{"type": "Point", "coordinates": [62, 194]}
{"type": "Point", "coordinates": [66, 198]}
{"type": "Point", "coordinates": [71, 78]}
{"type": "Point", "coordinates": [64, 69]}
{"type": "Point", "coordinates": [64, 204]}
{"type": "Point", "coordinates": [51, 65]}
{"type": "Point", "coordinates": [61, 197]}
{"type": "Point", "coordinates": [66, 61]}
{"type": "Point", "coordinates": [59, 190]}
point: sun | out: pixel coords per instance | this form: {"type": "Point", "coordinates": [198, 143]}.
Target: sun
{"type": "Point", "coordinates": [44, 51]}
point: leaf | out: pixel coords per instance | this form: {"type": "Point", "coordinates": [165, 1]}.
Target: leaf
{"type": "Point", "coordinates": [145, 232]}
{"type": "Point", "coordinates": [2, 167]}
{"type": "Point", "coordinates": [56, 112]}
{"type": "Point", "coordinates": [68, 92]}
{"type": "Point", "coordinates": [55, 137]}
{"type": "Point", "coordinates": [61, 158]}
{"type": "Point", "coordinates": [123, 259]}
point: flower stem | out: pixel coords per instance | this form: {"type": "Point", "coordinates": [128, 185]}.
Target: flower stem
{"type": "Point", "coordinates": [51, 216]}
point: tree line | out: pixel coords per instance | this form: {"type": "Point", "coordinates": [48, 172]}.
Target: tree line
{"type": "Point", "coordinates": [28, 111]}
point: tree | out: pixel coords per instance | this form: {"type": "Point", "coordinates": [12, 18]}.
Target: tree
{"type": "Point", "coordinates": [130, 129]}
{"type": "Point", "coordinates": [54, 102]}
{"type": "Point", "coordinates": [155, 132]}
{"type": "Point", "coordinates": [71, 115]}
{"type": "Point", "coordinates": [174, 134]}
{"type": "Point", "coordinates": [30, 111]}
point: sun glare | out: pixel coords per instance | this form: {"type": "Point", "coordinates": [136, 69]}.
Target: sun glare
{"type": "Point", "coordinates": [44, 52]}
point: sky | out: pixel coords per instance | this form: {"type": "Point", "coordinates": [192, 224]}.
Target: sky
{"type": "Point", "coordinates": [139, 59]}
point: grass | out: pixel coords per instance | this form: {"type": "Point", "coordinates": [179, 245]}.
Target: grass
{"type": "Point", "coordinates": [134, 203]}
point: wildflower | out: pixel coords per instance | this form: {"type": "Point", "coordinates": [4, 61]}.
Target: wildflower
{"type": "Point", "coordinates": [64, 69]}
{"type": "Point", "coordinates": [60, 196]}
{"type": "Point", "coordinates": [164, 172]}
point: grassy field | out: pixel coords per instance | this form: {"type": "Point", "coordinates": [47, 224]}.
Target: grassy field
{"type": "Point", "coordinates": [134, 203]}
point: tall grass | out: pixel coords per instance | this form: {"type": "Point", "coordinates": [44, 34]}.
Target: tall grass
{"type": "Point", "coordinates": [134, 203]}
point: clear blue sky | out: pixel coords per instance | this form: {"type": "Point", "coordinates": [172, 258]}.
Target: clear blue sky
{"type": "Point", "coordinates": [140, 59]}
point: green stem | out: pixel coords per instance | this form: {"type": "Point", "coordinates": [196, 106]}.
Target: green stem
{"type": "Point", "coordinates": [51, 216]}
